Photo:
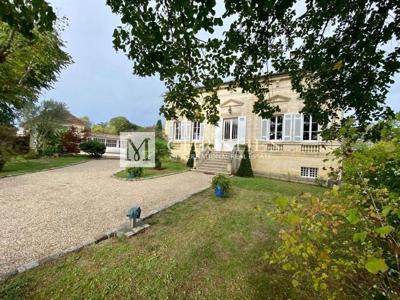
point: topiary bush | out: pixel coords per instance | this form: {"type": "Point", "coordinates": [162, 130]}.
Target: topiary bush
{"type": "Point", "coordinates": [134, 172]}
{"type": "Point", "coordinates": [192, 156]}
{"type": "Point", "coordinates": [245, 169]}
{"type": "Point", "coordinates": [94, 148]}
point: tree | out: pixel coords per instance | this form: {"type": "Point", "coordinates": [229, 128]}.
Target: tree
{"type": "Point", "coordinates": [7, 138]}
{"type": "Point", "coordinates": [245, 169]}
{"type": "Point", "coordinates": [159, 127]}
{"type": "Point", "coordinates": [337, 52]}
{"type": "Point", "coordinates": [44, 122]}
{"type": "Point", "coordinates": [71, 140]}
{"type": "Point", "coordinates": [101, 128]}
{"type": "Point", "coordinates": [23, 17]}
{"type": "Point", "coordinates": [121, 124]}
{"type": "Point", "coordinates": [86, 121]}
{"type": "Point", "coordinates": [192, 156]}
{"type": "Point", "coordinates": [162, 151]}
{"type": "Point", "coordinates": [31, 67]}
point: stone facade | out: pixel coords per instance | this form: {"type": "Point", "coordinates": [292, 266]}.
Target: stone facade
{"type": "Point", "coordinates": [288, 146]}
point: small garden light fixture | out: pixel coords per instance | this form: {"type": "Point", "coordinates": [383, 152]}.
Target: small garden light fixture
{"type": "Point", "coordinates": [133, 215]}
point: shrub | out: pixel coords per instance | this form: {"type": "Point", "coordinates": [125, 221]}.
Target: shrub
{"type": "Point", "coordinates": [348, 239]}
{"type": "Point", "coordinates": [70, 141]}
{"type": "Point", "coordinates": [161, 151]}
{"type": "Point", "coordinates": [48, 151]}
{"type": "Point", "coordinates": [32, 154]}
{"type": "Point", "coordinates": [21, 144]}
{"type": "Point", "coordinates": [192, 156]}
{"type": "Point", "coordinates": [134, 172]}
{"type": "Point", "coordinates": [245, 169]}
{"type": "Point", "coordinates": [223, 181]}
{"type": "Point", "coordinates": [94, 148]}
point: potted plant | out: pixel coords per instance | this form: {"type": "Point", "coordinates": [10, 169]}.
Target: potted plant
{"type": "Point", "coordinates": [221, 185]}
{"type": "Point", "coordinates": [134, 172]}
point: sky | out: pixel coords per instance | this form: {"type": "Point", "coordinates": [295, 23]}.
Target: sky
{"type": "Point", "coordinates": [100, 84]}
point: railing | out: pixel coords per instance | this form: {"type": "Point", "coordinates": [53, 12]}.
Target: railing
{"type": "Point", "coordinates": [275, 147]}
{"type": "Point", "coordinates": [294, 147]}
{"type": "Point", "coordinates": [310, 148]}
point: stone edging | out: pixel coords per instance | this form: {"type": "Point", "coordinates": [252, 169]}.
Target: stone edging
{"type": "Point", "coordinates": [109, 234]}
{"type": "Point", "coordinates": [147, 178]}
{"type": "Point", "coordinates": [102, 237]}
{"type": "Point", "coordinates": [44, 170]}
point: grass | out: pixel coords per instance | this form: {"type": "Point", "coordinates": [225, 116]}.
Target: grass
{"type": "Point", "coordinates": [22, 166]}
{"type": "Point", "coordinates": [202, 248]}
{"type": "Point", "coordinates": [167, 167]}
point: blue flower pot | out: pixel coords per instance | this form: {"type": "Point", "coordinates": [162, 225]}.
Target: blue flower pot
{"type": "Point", "coordinates": [219, 192]}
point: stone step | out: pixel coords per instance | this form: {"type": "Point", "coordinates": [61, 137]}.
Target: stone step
{"type": "Point", "coordinates": [214, 163]}
{"type": "Point", "coordinates": [212, 169]}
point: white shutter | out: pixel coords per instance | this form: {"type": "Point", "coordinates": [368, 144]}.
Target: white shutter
{"type": "Point", "coordinates": [201, 131]}
{"type": "Point", "coordinates": [241, 130]}
{"type": "Point", "coordinates": [297, 127]}
{"type": "Point", "coordinates": [171, 130]}
{"type": "Point", "coordinates": [218, 136]}
{"type": "Point", "coordinates": [287, 127]}
{"type": "Point", "coordinates": [264, 129]}
{"type": "Point", "coordinates": [186, 130]}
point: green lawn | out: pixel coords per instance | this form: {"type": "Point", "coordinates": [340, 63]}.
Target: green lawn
{"type": "Point", "coordinates": [22, 166]}
{"type": "Point", "coordinates": [202, 248]}
{"type": "Point", "coordinates": [167, 167]}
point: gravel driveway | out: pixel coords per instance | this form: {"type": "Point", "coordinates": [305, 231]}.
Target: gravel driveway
{"type": "Point", "coordinates": [46, 212]}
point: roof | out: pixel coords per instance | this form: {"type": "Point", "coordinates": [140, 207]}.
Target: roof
{"type": "Point", "coordinates": [74, 120]}
{"type": "Point", "coordinates": [272, 75]}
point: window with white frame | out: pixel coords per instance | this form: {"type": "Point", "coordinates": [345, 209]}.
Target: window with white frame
{"type": "Point", "coordinates": [230, 129]}
{"type": "Point", "coordinates": [177, 131]}
{"type": "Point", "coordinates": [100, 140]}
{"type": "Point", "coordinates": [290, 127]}
{"type": "Point", "coordinates": [309, 172]}
{"type": "Point", "coordinates": [310, 128]}
{"type": "Point", "coordinates": [111, 143]}
{"type": "Point", "coordinates": [276, 127]}
{"type": "Point", "coordinates": [196, 131]}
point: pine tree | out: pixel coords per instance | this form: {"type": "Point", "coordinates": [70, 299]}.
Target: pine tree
{"type": "Point", "coordinates": [159, 125]}
{"type": "Point", "coordinates": [192, 156]}
{"type": "Point", "coordinates": [245, 169]}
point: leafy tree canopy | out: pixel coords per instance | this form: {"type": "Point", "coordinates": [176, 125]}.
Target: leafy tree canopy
{"type": "Point", "coordinates": [121, 124]}
{"type": "Point", "coordinates": [44, 121]}
{"type": "Point", "coordinates": [32, 65]}
{"type": "Point", "coordinates": [115, 126]}
{"type": "Point", "coordinates": [23, 16]}
{"type": "Point", "coordinates": [337, 52]}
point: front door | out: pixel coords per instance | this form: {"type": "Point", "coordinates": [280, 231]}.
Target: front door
{"type": "Point", "coordinates": [229, 133]}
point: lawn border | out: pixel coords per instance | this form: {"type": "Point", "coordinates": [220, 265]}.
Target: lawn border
{"type": "Point", "coordinates": [118, 231]}
{"type": "Point", "coordinates": [44, 170]}
{"type": "Point", "coordinates": [147, 178]}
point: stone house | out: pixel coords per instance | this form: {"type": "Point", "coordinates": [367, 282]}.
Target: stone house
{"type": "Point", "coordinates": [287, 146]}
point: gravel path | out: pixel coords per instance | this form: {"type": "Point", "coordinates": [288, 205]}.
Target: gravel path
{"type": "Point", "coordinates": [46, 212]}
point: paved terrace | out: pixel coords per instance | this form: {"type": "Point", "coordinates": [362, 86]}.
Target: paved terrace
{"type": "Point", "coordinates": [46, 212]}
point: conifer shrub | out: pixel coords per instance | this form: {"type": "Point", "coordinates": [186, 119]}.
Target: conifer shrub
{"type": "Point", "coordinates": [245, 169]}
{"type": "Point", "coordinates": [192, 156]}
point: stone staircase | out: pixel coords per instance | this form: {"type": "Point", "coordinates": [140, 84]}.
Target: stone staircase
{"type": "Point", "coordinates": [216, 163]}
